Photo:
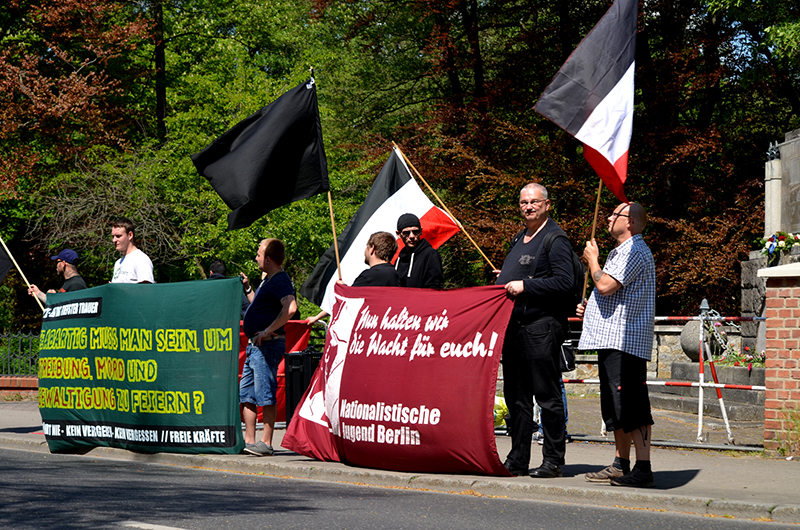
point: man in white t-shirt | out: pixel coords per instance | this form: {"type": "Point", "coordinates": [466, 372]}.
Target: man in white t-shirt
{"type": "Point", "coordinates": [134, 266]}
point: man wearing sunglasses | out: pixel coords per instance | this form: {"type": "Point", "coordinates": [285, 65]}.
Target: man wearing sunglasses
{"type": "Point", "coordinates": [418, 264]}
{"type": "Point", "coordinates": [618, 324]}
{"type": "Point", "coordinates": [66, 265]}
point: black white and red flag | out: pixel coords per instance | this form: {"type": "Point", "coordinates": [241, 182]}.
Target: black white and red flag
{"type": "Point", "coordinates": [393, 193]}
{"type": "Point", "coordinates": [271, 158]}
{"type": "Point", "coordinates": [591, 97]}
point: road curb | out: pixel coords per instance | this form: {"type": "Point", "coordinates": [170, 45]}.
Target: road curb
{"type": "Point", "coordinates": [290, 465]}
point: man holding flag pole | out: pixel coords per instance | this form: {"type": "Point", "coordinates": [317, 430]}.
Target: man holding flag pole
{"type": "Point", "coordinates": [618, 324]}
{"type": "Point", "coordinates": [591, 98]}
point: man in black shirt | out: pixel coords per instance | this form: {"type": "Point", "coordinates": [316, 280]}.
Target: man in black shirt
{"type": "Point", "coordinates": [66, 265]}
{"type": "Point", "coordinates": [418, 264]}
{"type": "Point", "coordinates": [272, 306]}
{"type": "Point", "coordinates": [538, 279]}
{"type": "Point", "coordinates": [378, 253]}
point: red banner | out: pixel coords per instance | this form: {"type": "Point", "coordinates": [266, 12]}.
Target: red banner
{"type": "Point", "coordinates": [407, 381]}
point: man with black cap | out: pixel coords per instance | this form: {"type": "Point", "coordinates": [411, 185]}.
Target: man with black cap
{"type": "Point", "coordinates": [66, 262]}
{"type": "Point", "coordinates": [418, 264]}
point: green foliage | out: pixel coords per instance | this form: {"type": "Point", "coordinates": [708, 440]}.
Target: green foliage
{"type": "Point", "coordinates": [452, 82]}
{"type": "Point", "coordinates": [789, 439]}
{"type": "Point", "coordinates": [7, 307]}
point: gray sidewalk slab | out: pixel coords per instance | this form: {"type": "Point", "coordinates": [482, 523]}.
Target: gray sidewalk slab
{"type": "Point", "coordinates": [741, 485]}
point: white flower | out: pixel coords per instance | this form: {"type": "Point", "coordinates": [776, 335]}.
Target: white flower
{"type": "Point", "coordinates": [781, 243]}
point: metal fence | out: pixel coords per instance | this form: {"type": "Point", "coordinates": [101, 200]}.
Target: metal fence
{"type": "Point", "coordinates": [19, 353]}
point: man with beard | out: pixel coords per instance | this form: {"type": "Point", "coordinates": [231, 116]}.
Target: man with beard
{"type": "Point", "coordinates": [66, 265]}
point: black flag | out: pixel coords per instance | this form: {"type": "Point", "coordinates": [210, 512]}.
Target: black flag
{"type": "Point", "coordinates": [270, 159]}
{"type": "Point", "coordinates": [5, 264]}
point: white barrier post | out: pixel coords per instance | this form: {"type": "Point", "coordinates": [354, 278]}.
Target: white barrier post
{"type": "Point", "coordinates": [703, 312]}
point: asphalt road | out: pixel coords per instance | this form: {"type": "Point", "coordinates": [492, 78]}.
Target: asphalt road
{"type": "Point", "coordinates": [46, 491]}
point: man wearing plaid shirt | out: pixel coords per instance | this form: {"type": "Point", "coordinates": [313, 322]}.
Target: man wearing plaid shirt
{"type": "Point", "coordinates": [618, 323]}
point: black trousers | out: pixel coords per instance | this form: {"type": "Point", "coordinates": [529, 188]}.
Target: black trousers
{"type": "Point", "coordinates": [531, 368]}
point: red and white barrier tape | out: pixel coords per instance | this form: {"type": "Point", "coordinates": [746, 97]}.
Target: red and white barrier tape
{"type": "Point", "coordinates": [677, 383]}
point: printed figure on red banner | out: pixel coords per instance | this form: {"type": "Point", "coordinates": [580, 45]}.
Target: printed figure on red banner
{"type": "Point", "coordinates": [538, 273]}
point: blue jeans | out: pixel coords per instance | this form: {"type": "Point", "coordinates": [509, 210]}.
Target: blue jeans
{"type": "Point", "coordinates": [259, 384]}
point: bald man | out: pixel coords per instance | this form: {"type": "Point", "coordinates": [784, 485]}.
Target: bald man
{"type": "Point", "coordinates": [618, 324]}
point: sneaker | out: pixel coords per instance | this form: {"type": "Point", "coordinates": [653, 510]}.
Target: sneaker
{"type": "Point", "coordinates": [538, 437]}
{"type": "Point", "coordinates": [259, 449]}
{"type": "Point", "coordinates": [635, 479]}
{"type": "Point", "coordinates": [605, 475]}
{"type": "Point", "coordinates": [546, 470]}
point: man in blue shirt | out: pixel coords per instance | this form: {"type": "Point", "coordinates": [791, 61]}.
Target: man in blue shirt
{"type": "Point", "coordinates": [272, 306]}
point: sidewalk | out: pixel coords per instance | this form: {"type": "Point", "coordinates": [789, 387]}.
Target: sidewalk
{"type": "Point", "coordinates": [738, 484]}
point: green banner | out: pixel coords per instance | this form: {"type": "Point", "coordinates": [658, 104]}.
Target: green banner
{"type": "Point", "coordinates": [151, 368]}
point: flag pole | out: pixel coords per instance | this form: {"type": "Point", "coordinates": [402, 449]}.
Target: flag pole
{"type": "Point", "coordinates": [594, 229]}
{"type": "Point", "coordinates": [444, 206]}
{"type": "Point", "coordinates": [335, 241]}
{"type": "Point", "coordinates": [330, 209]}
{"type": "Point", "coordinates": [20, 271]}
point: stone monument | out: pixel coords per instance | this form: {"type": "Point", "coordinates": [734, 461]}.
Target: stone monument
{"type": "Point", "coordinates": [781, 213]}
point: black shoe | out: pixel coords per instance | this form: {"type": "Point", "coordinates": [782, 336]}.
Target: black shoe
{"type": "Point", "coordinates": [546, 470]}
{"type": "Point", "coordinates": [517, 472]}
{"type": "Point", "coordinates": [635, 479]}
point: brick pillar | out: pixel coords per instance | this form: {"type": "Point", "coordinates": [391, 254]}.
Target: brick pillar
{"type": "Point", "coordinates": [782, 375]}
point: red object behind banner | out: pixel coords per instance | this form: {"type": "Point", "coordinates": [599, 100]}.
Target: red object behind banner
{"type": "Point", "coordinates": [407, 381]}
{"type": "Point", "coordinates": [297, 334]}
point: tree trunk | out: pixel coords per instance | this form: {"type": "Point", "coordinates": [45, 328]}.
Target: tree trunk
{"type": "Point", "coordinates": [161, 67]}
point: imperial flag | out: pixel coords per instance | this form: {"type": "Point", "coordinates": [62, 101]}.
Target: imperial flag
{"type": "Point", "coordinates": [393, 193]}
{"type": "Point", "coordinates": [591, 97]}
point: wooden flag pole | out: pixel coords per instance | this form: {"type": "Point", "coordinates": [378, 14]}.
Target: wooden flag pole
{"type": "Point", "coordinates": [330, 209]}
{"type": "Point", "coordinates": [444, 206]}
{"type": "Point", "coordinates": [335, 241]}
{"type": "Point", "coordinates": [594, 229]}
{"type": "Point", "coordinates": [20, 272]}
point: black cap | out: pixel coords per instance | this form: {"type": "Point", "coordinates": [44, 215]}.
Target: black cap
{"type": "Point", "coordinates": [406, 220]}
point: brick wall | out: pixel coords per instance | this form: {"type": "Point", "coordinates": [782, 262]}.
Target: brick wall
{"type": "Point", "coordinates": [11, 385]}
{"type": "Point", "coordinates": [782, 375]}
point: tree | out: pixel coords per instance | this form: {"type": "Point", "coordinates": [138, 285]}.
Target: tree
{"type": "Point", "coordinates": [453, 82]}
{"type": "Point", "coordinates": [461, 108]}
{"type": "Point", "coordinates": [62, 69]}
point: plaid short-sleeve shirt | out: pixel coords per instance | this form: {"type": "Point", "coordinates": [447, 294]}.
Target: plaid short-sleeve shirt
{"type": "Point", "coordinates": [624, 320]}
